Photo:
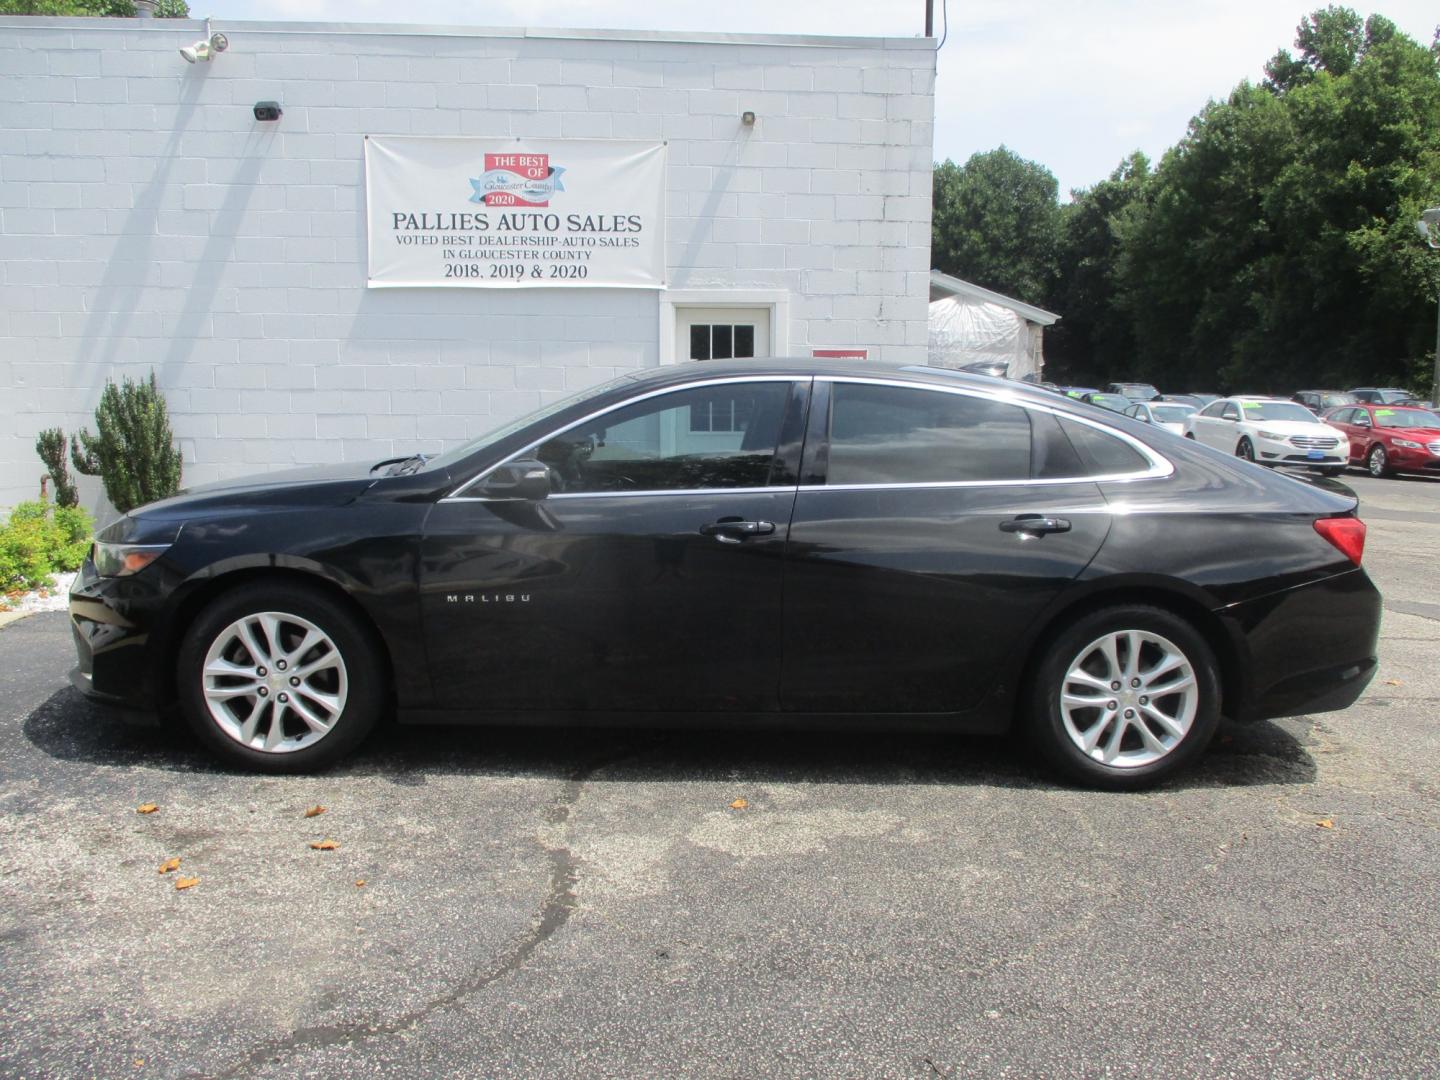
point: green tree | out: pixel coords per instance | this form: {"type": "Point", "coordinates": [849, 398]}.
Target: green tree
{"type": "Point", "coordinates": [996, 223]}
{"type": "Point", "coordinates": [120, 9]}
{"type": "Point", "coordinates": [1097, 331]}
{"type": "Point", "coordinates": [134, 453]}
{"type": "Point", "coordinates": [51, 447]}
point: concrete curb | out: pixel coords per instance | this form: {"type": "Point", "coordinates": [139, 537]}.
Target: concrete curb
{"type": "Point", "coordinates": [7, 617]}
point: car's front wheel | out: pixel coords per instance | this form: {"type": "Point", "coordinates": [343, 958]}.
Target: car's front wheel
{"type": "Point", "coordinates": [279, 678]}
{"type": "Point", "coordinates": [1245, 449]}
{"type": "Point", "coordinates": [1377, 462]}
{"type": "Point", "coordinates": [1124, 697]}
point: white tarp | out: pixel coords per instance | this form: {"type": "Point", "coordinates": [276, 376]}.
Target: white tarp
{"type": "Point", "coordinates": [967, 330]}
{"type": "Point", "coordinates": [514, 213]}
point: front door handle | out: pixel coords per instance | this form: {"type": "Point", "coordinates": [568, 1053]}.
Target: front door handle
{"type": "Point", "coordinates": [1035, 524]}
{"type": "Point", "coordinates": [733, 530]}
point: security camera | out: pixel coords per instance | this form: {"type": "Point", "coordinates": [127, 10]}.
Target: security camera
{"type": "Point", "coordinates": [268, 110]}
{"type": "Point", "coordinates": [206, 48]}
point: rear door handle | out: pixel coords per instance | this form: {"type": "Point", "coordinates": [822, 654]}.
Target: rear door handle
{"type": "Point", "coordinates": [1035, 524]}
{"type": "Point", "coordinates": [733, 530]}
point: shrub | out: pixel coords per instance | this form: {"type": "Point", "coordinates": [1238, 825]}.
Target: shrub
{"type": "Point", "coordinates": [39, 541]}
{"type": "Point", "coordinates": [134, 454]}
{"type": "Point", "coordinates": [51, 448]}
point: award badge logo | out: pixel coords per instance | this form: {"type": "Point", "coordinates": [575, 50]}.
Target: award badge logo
{"type": "Point", "coordinates": [517, 180]}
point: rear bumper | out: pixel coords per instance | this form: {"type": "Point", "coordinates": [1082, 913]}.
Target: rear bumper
{"type": "Point", "coordinates": [1309, 649]}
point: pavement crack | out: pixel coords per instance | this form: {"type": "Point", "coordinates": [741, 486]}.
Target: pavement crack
{"type": "Point", "coordinates": [554, 912]}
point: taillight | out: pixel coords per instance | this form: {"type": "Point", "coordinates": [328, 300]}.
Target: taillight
{"type": "Point", "coordinates": [1346, 533]}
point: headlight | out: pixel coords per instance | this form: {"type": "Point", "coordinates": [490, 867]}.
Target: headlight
{"type": "Point", "coordinates": [122, 560]}
{"type": "Point", "coordinates": [1407, 444]}
{"type": "Point", "coordinates": [1277, 436]}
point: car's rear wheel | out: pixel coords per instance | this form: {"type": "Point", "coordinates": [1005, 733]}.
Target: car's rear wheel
{"type": "Point", "coordinates": [279, 678]}
{"type": "Point", "coordinates": [1124, 697]}
{"type": "Point", "coordinates": [1378, 462]}
{"type": "Point", "coordinates": [1245, 449]}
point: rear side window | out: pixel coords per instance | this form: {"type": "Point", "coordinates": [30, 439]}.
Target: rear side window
{"type": "Point", "coordinates": [899, 435]}
{"type": "Point", "coordinates": [1102, 454]}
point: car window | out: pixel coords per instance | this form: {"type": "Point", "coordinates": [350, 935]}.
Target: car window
{"type": "Point", "coordinates": [1406, 418]}
{"type": "Point", "coordinates": [1171, 414]}
{"type": "Point", "coordinates": [1276, 410]}
{"type": "Point", "coordinates": [1229, 411]}
{"type": "Point", "coordinates": [1213, 409]}
{"type": "Point", "coordinates": [703, 437]}
{"type": "Point", "coordinates": [1101, 453]}
{"type": "Point", "coordinates": [899, 435]}
{"type": "Point", "coordinates": [1332, 400]}
{"type": "Point", "coordinates": [1342, 416]}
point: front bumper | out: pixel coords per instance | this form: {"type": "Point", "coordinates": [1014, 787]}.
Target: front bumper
{"type": "Point", "coordinates": [110, 621]}
{"type": "Point", "coordinates": [1278, 452]}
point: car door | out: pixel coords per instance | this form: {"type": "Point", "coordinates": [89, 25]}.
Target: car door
{"type": "Point", "coordinates": [649, 580]}
{"type": "Point", "coordinates": [1344, 420]}
{"type": "Point", "coordinates": [930, 530]}
{"type": "Point", "coordinates": [1361, 430]}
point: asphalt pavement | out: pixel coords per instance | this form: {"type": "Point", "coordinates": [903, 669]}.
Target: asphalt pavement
{"type": "Point", "coordinates": [570, 903]}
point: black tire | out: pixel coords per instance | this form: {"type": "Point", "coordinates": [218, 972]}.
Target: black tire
{"type": "Point", "coordinates": [361, 666]}
{"type": "Point", "coordinates": [1334, 470]}
{"type": "Point", "coordinates": [1044, 721]}
{"type": "Point", "coordinates": [1245, 449]}
{"type": "Point", "coordinates": [1377, 462]}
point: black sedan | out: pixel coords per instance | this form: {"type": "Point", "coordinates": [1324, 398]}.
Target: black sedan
{"type": "Point", "coordinates": [801, 543]}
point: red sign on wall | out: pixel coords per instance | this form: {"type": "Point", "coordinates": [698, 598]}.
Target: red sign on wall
{"type": "Point", "coordinates": [519, 180]}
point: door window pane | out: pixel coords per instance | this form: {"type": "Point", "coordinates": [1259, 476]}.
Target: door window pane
{"type": "Point", "coordinates": [699, 343]}
{"type": "Point", "coordinates": [895, 435]}
{"type": "Point", "coordinates": [708, 437]}
{"type": "Point", "coordinates": [744, 340]}
{"type": "Point", "coordinates": [720, 343]}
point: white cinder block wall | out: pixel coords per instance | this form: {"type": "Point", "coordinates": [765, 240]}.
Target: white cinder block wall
{"type": "Point", "coordinates": [147, 220]}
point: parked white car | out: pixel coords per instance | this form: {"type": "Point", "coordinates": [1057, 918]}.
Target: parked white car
{"type": "Point", "coordinates": [1271, 432]}
{"type": "Point", "coordinates": [1168, 415]}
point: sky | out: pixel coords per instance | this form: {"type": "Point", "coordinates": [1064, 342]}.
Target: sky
{"type": "Point", "coordinates": [1074, 86]}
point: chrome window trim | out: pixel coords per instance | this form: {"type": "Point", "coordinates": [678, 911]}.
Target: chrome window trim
{"type": "Point", "coordinates": [458, 495]}
{"type": "Point", "coordinates": [1159, 465]}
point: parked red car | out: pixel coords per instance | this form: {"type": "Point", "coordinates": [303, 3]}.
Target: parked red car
{"type": "Point", "coordinates": [1389, 439]}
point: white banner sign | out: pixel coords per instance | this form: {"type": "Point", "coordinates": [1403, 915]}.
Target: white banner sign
{"type": "Point", "coordinates": [514, 213]}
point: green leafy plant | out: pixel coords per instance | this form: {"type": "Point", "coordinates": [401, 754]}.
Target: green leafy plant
{"type": "Point", "coordinates": [40, 540]}
{"type": "Point", "coordinates": [134, 453]}
{"type": "Point", "coordinates": [121, 9]}
{"type": "Point", "coordinates": [51, 448]}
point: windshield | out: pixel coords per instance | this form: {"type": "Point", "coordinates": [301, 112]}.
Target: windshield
{"type": "Point", "coordinates": [449, 457]}
{"type": "Point", "coordinates": [1406, 418]}
{"type": "Point", "coordinates": [1276, 410]}
{"type": "Point", "coordinates": [1171, 414]}
{"type": "Point", "coordinates": [1110, 401]}
{"type": "Point", "coordinates": [1389, 397]}
{"type": "Point", "coordinates": [1333, 401]}
{"type": "Point", "coordinates": [1143, 391]}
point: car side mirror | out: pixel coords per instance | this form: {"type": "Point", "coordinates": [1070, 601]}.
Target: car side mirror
{"type": "Point", "coordinates": [524, 478]}
{"type": "Point", "coordinates": [1364, 421]}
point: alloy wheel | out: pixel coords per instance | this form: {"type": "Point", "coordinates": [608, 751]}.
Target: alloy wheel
{"type": "Point", "coordinates": [274, 682]}
{"type": "Point", "coordinates": [1245, 450]}
{"type": "Point", "coordinates": [1378, 463]}
{"type": "Point", "coordinates": [1129, 698]}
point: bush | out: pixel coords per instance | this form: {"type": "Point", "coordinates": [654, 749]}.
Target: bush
{"type": "Point", "coordinates": [38, 541]}
{"type": "Point", "coordinates": [51, 448]}
{"type": "Point", "coordinates": [134, 454]}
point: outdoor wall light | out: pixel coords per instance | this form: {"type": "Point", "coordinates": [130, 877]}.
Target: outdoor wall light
{"type": "Point", "coordinates": [747, 118]}
{"type": "Point", "coordinates": [206, 48]}
{"type": "Point", "coordinates": [268, 110]}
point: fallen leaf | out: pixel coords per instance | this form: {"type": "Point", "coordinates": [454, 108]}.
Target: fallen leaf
{"type": "Point", "coordinates": [169, 866]}
{"type": "Point", "coordinates": [139, 1062]}
{"type": "Point", "coordinates": [186, 883]}
{"type": "Point", "coordinates": [324, 845]}
{"type": "Point", "coordinates": [315, 811]}
{"type": "Point", "coordinates": [1393, 682]}
{"type": "Point", "coordinates": [739, 804]}
{"type": "Point", "coordinates": [360, 883]}
{"type": "Point", "coordinates": [1326, 823]}
{"type": "Point", "coordinates": [146, 808]}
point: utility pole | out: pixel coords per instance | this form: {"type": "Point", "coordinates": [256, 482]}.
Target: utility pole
{"type": "Point", "coordinates": [1429, 226]}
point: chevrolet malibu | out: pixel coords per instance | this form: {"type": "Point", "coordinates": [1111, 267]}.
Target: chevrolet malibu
{"type": "Point", "coordinates": [798, 543]}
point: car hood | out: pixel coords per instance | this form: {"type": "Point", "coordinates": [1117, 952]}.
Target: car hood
{"type": "Point", "coordinates": [1294, 427]}
{"type": "Point", "coordinates": [315, 484]}
{"type": "Point", "coordinates": [1416, 434]}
